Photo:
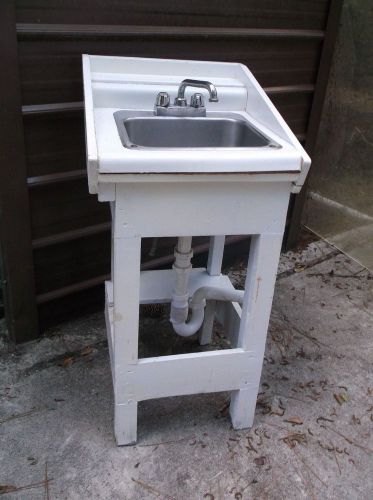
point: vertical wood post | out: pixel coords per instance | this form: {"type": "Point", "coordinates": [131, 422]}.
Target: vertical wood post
{"type": "Point", "coordinates": [326, 59]}
{"type": "Point", "coordinates": [256, 309]}
{"type": "Point", "coordinates": [15, 231]}
{"type": "Point", "coordinates": [126, 281]}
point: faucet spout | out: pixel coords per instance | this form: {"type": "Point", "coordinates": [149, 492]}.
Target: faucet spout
{"type": "Point", "coordinates": [200, 84]}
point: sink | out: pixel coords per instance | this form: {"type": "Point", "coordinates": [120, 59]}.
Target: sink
{"type": "Point", "coordinates": [139, 121]}
{"type": "Point", "coordinates": [188, 132]}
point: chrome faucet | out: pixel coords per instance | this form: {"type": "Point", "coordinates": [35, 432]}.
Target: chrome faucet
{"type": "Point", "coordinates": [180, 108]}
{"type": "Point", "coordinates": [180, 99]}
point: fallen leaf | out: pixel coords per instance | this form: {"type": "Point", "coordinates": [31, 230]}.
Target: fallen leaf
{"type": "Point", "coordinates": [153, 310]}
{"type": "Point", "coordinates": [315, 396]}
{"type": "Point", "coordinates": [278, 413]}
{"type": "Point", "coordinates": [327, 447]}
{"type": "Point", "coordinates": [299, 267]}
{"type": "Point", "coordinates": [86, 351]}
{"type": "Point", "coordinates": [294, 421]}
{"type": "Point", "coordinates": [340, 398]}
{"type": "Point", "coordinates": [224, 409]}
{"type": "Point", "coordinates": [260, 461]}
{"type": "Point", "coordinates": [68, 362]}
{"type": "Point", "coordinates": [324, 419]}
{"type": "Point", "coordinates": [250, 446]}
{"type": "Point", "coordinates": [342, 387]}
{"type": "Point", "coordinates": [293, 439]}
{"type": "Point", "coordinates": [280, 410]}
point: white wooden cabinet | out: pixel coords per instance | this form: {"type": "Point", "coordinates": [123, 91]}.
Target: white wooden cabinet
{"type": "Point", "coordinates": [158, 193]}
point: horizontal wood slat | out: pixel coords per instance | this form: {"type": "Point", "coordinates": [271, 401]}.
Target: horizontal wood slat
{"type": "Point", "coordinates": [63, 107]}
{"type": "Point", "coordinates": [275, 63]}
{"type": "Point", "coordinates": [268, 14]}
{"type": "Point", "coordinates": [290, 89]}
{"type": "Point", "coordinates": [43, 180]}
{"type": "Point", "coordinates": [57, 107]}
{"type": "Point", "coordinates": [55, 239]}
{"type": "Point", "coordinates": [71, 289]}
{"type": "Point", "coordinates": [81, 31]}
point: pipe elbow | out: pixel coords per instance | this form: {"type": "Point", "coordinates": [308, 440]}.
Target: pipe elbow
{"type": "Point", "coordinates": [198, 303]}
{"type": "Point", "coordinates": [187, 329]}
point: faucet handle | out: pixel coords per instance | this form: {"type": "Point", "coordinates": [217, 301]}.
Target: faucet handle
{"type": "Point", "coordinates": [162, 100]}
{"type": "Point", "coordinates": [196, 101]}
{"type": "Point", "coordinates": [180, 101]}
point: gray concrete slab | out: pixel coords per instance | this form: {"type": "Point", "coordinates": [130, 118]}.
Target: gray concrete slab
{"type": "Point", "coordinates": [312, 432]}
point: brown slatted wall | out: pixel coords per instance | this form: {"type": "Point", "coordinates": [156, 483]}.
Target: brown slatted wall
{"type": "Point", "coordinates": [264, 14]}
{"type": "Point", "coordinates": [280, 42]}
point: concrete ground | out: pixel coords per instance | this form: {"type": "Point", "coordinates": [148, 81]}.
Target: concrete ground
{"type": "Point", "coordinates": [312, 433]}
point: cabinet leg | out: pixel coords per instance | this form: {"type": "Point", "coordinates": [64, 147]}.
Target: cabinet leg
{"type": "Point", "coordinates": [125, 423]}
{"type": "Point", "coordinates": [126, 284]}
{"type": "Point", "coordinates": [260, 280]}
{"type": "Point", "coordinates": [242, 408]}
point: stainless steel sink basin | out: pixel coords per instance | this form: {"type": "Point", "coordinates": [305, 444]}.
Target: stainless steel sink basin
{"type": "Point", "coordinates": [200, 132]}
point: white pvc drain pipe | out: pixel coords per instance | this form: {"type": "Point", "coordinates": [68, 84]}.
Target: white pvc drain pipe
{"type": "Point", "coordinates": [180, 297]}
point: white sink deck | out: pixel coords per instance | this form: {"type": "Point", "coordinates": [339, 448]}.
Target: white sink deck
{"type": "Point", "coordinates": [117, 83]}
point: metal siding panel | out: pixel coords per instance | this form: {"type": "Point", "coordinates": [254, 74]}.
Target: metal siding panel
{"type": "Point", "coordinates": [50, 65]}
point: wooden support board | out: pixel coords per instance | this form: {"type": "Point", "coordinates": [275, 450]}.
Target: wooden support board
{"type": "Point", "coordinates": [192, 373]}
